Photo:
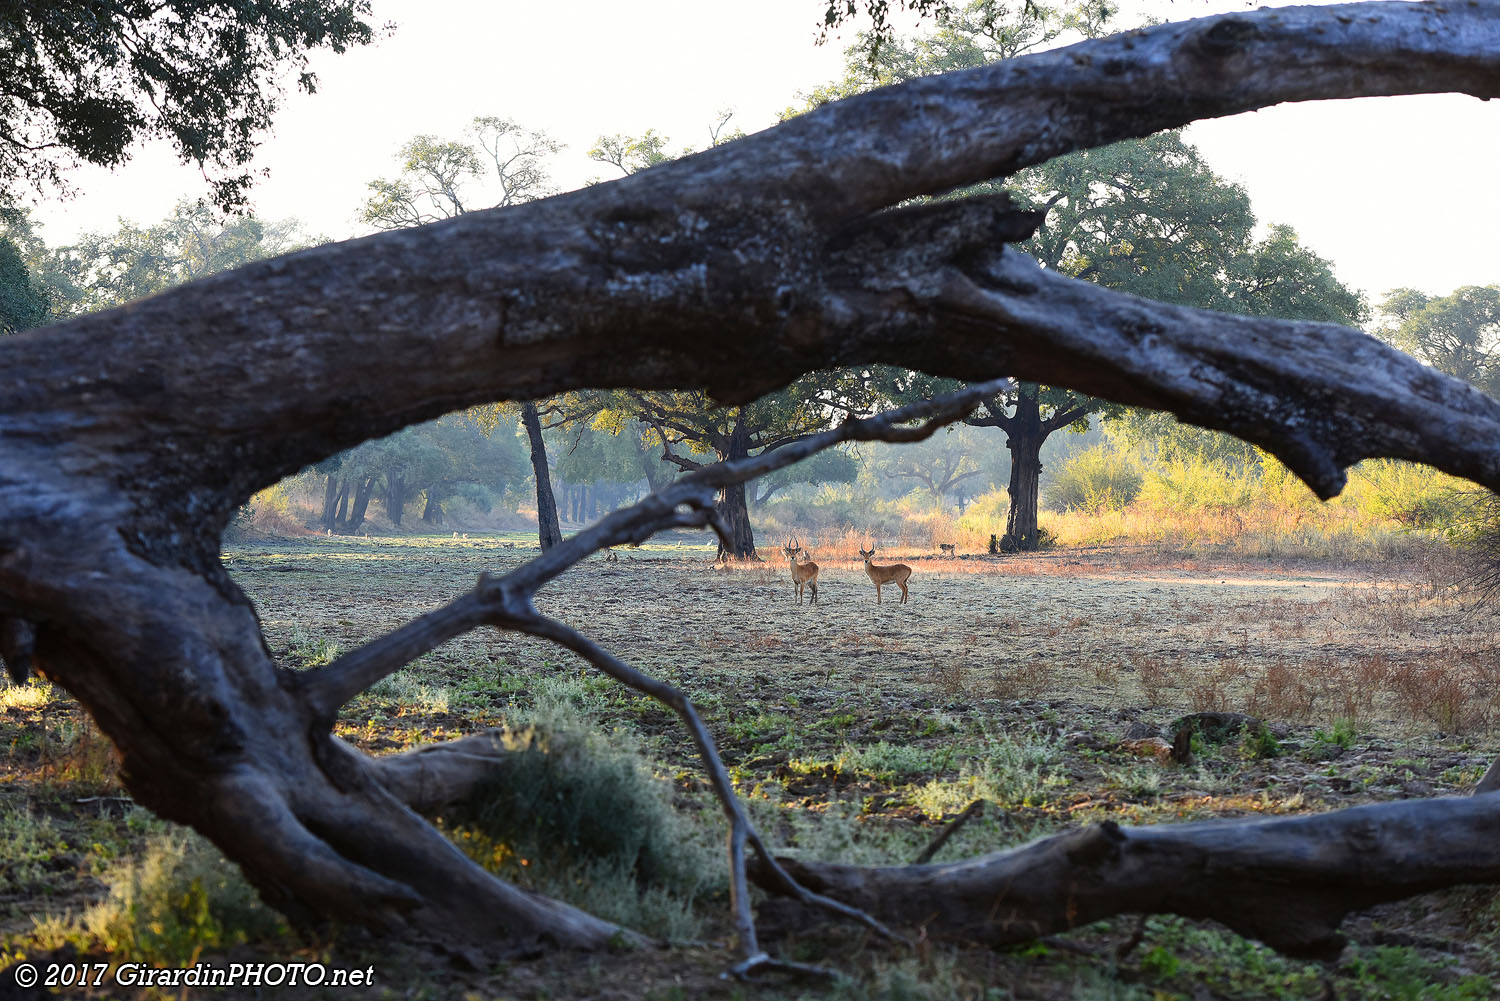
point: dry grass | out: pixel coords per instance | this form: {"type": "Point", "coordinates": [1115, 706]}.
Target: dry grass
{"type": "Point", "coordinates": [852, 727]}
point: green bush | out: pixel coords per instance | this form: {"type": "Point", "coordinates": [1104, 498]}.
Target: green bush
{"type": "Point", "coordinates": [1189, 483]}
{"type": "Point", "coordinates": [577, 816]}
{"type": "Point", "coordinates": [1415, 496]}
{"type": "Point", "coordinates": [182, 897]}
{"type": "Point", "coordinates": [986, 514]}
{"type": "Point", "coordinates": [1094, 480]}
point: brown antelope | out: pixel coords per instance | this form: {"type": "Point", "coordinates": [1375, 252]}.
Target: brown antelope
{"type": "Point", "coordinates": [896, 573]}
{"type": "Point", "coordinates": [802, 573]}
{"type": "Point", "coordinates": [948, 547]}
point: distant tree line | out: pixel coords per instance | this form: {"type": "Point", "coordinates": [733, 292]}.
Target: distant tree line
{"type": "Point", "coordinates": [1145, 216]}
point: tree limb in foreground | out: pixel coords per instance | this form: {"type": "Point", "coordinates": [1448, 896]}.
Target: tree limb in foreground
{"type": "Point", "coordinates": [1288, 881]}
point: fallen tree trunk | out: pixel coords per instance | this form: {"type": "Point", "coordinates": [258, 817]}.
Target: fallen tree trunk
{"type": "Point", "coordinates": [1287, 881]}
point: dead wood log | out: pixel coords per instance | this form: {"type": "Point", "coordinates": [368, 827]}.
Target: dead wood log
{"type": "Point", "coordinates": [1287, 881]}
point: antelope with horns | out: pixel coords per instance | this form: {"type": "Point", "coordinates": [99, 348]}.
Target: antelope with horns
{"type": "Point", "coordinates": [896, 573]}
{"type": "Point", "coordinates": [802, 573]}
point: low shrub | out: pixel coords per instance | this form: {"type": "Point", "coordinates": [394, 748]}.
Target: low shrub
{"type": "Point", "coordinates": [578, 816]}
{"type": "Point", "coordinates": [1094, 480]}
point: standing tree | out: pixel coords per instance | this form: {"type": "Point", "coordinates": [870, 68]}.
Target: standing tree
{"type": "Point", "coordinates": [103, 270]}
{"type": "Point", "coordinates": [1143, 216]}
{"type": "Point", "coordinates": [86, 81]}
{"type": "Point", "coordinates": [738, 269]}
{"type": "Point", "coordinates": [1458, 333]}
{"type": "Point", "coordinates": [435, 183]}
{"type": "Point", "coordinates": [691, 422]}
{"type": "Point", "coordinates": [23, 300]}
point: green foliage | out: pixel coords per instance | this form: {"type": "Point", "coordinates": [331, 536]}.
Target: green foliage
{"type": "Point", "coordinates": [972, 34]}
{"type": "Point", "coordinates": [1096, 479]}
{"type": "Point", "coordinates": [1160, 963]}
{"type": "Point", "coordinates": [1415, 496]}
{"type": "Point", "coordinates": [23, 301]}
{"type": "Point", "coordinates": [451, 457]}
{"type": "Point", "coordinates": [104, 270]}
{"type": "Point", "coordinates": [949, 464]}
{"type": "Point", "coordinates": [1157, 435]}
{"type": "Point", "coordinates": [181, 898]}
{"type": "Point", "coordinates": [1007, 772]}
{"type": "Point", "coordinates": [985, 514]}
{"type": "Point", "coordinates": [1259, 743]}
{"type": "Point", "coordinates": [1186, 483]}
{"type": "Point", "coordinates": [30, 849]}
{"type": "Point", "coordinates": [438, 177]}
{"type": "Point", "coordinates": [890, 762]}
{"type": "Point", "coordinates": [87, 81]}
{"type": "Point", "coordinates": [586, 454]}
{"type": "Point", "coordinates": [578, 815]}
{"type": "Point", "coordinates": [1457, 333]}
{"type": "Point", "coordinates": [1389, 973]}
{"type": "Point", "coordinates": [833, 465]}
{"type": "Point", "coordinates": [1341, 734]}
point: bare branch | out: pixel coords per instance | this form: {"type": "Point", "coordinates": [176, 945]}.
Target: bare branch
{"type": "Point", "coordinates": [971, 811]}
{"type": "Point", "coordinates": [742, 830]}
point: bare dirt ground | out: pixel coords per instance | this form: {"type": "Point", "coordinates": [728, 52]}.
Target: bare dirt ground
{"type": "Point", "coordinates": [855, 730]}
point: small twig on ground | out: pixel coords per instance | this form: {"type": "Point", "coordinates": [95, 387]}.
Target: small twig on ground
{"type": "Point", "coordinates": [971, 811]}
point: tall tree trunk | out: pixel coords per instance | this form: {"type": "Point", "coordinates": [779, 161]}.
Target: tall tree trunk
{"type": "Point", "coordinates": [432, 511]}
{"type": "Point", "coordinates": [330, 502]}
{"type": "Point", "coordinates": [340, 514]}
{"type": "Point", "coordinates": [732, 501]}
{"type": "Point", "coordinates": [1024, 437]}
{"type": "Point", "coordinates": [548, 529]}
{"type": "Point", "coordinates": [363, 491]}
{"type": "Point", "coordinates": [656, 472]}
{"type": "Point", "coordinates": [395, 497]}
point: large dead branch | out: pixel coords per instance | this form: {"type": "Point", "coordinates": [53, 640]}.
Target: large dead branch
{"type": "Point", "coordinates": [128, 437]}
{"type": "Point", "coordinates": [1288, 881]}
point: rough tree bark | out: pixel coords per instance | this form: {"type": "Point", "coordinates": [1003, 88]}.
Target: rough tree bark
{"type": "Point", "coordinates": [395, 497]}
{"type": "Point", "coordinates": [330, 500]}
{"type": "Point", "coordinates": [128, 438]}
{"type": "Point", "coordinates": [1286, 881]}
{"type": "Point", "coordinates": [736, 513]}
{"type": "Point", "coordinates": [548, 526]}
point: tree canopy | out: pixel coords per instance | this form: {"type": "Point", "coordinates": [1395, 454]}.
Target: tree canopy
{"type": "Point", "coordinates": [23, 301]}
{"type": "Point", "coordinates": [86, 81]}
{"type": "Point", "coordinates": [1458, 333]}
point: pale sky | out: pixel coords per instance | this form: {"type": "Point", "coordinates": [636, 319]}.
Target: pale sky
{"type": "Point", "coordinates": [1395, 191]}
